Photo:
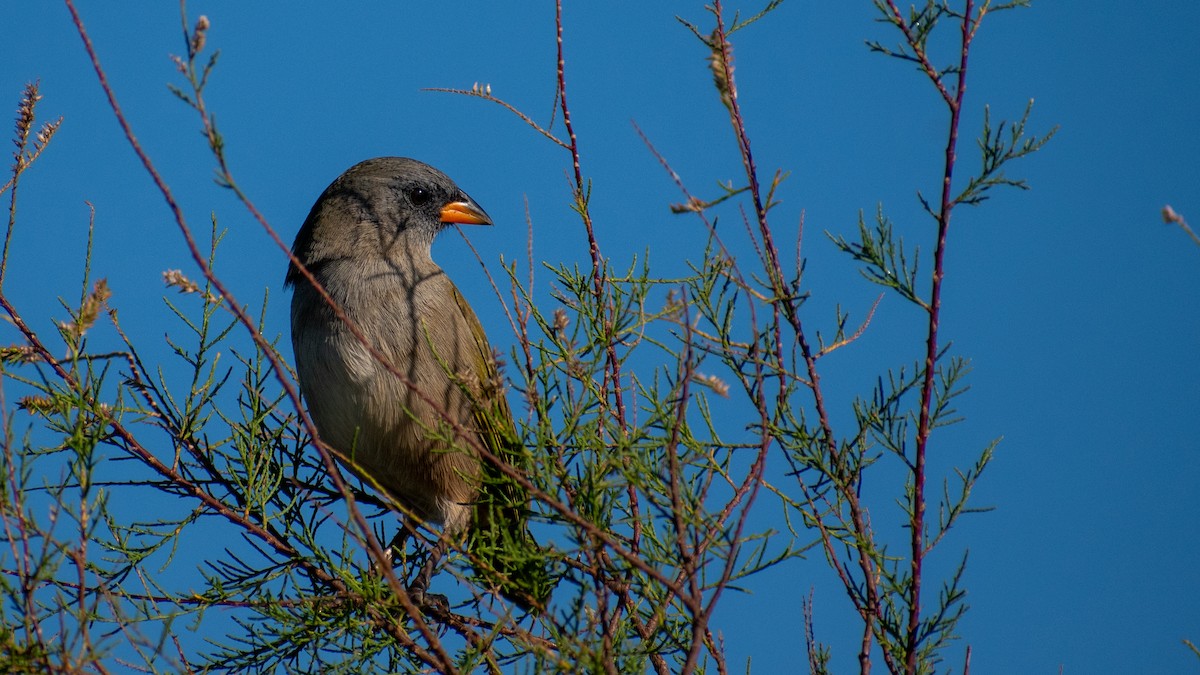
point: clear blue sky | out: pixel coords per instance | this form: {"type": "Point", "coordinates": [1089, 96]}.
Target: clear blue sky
{"type": "Point", "coordinates": [1079, 308]}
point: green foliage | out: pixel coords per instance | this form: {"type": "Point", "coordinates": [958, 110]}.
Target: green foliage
{"type": "Point", "coordinates": [655, 505]}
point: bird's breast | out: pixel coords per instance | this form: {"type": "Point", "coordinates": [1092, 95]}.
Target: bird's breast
{"type": "Point", "coordinates": [388, 402]}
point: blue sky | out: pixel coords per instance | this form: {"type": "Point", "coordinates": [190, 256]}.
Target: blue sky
{"type": "Point", "coordinates": [1079, 308]}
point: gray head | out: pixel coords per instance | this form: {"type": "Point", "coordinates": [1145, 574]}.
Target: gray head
{"type": "Point", "coordinates": [384, 209]}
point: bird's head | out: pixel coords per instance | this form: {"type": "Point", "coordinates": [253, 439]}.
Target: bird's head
{"type": "Point", "coordinates": [383, 209]}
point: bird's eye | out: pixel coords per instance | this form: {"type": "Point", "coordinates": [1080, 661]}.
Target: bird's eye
{"type": "Point", "coordinates": [419, 196]}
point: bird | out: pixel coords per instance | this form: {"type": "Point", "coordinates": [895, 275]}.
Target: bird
{"type": "Point", "coordinates": [411, 422]}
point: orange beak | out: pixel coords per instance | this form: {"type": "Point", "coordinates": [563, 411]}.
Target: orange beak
{"type": "Point", "coordinates": [465, 212]}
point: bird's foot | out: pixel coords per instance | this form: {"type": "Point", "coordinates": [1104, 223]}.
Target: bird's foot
{"type": "Point", "coordinates": [429, 602]}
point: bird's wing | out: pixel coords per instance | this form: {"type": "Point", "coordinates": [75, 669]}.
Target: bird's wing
{"type": "Point", "coordinates": [500, 535]}
{"type": "Point", "coordinates": [493, 417]}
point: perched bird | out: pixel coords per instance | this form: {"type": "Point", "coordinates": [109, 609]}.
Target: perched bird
{"type": "Point", "coordinates": [367, 242]}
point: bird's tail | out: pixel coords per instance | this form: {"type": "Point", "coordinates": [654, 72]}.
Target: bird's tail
{"type": "Point", "coordinates": [503, 551]}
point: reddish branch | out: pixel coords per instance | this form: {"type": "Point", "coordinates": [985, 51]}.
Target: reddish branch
{"type": "Point", "coordinates": [953, 102]}
{"type": "Point", "coordinates": [845, 486]}
{"type": "Point", "coordinates": [746, 493]}
{"type": "Point", "coordinates": [599, 273]}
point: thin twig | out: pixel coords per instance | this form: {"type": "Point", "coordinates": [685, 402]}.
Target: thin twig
{"type": "Point", "coordinates": [953, 102]}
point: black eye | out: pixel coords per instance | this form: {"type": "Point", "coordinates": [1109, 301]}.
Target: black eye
{"type": "Point", "coordinates": [419, 196]}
